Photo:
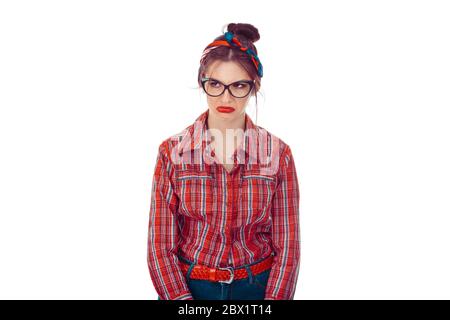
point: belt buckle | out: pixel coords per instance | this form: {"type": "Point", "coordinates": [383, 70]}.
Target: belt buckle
{"type": "Point", "coordinates": [231, 275]}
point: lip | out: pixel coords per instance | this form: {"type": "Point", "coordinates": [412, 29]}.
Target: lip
{"type": "Point", "coordinates": [225, 109]}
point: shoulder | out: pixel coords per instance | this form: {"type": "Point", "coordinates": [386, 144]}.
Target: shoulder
{"type": "Point", "coordinates": [173, 143]}
{"type": "Point", "coordinates": [267, 139]}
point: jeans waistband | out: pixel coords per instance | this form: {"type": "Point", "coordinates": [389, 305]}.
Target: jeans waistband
{"type": "Point", "coordinates": [243, 266]}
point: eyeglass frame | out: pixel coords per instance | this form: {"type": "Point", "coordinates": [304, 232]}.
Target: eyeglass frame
{"type": "Point", "coordinates": [227, 87]}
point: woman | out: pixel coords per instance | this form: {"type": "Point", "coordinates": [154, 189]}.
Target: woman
{"type": "Point", "coordinates": [224, 216]}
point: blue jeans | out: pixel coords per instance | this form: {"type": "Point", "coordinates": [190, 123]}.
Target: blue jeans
{"type": "Point", "coordinates": [251, 288]}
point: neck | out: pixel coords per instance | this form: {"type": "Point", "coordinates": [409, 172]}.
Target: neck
{"type": "Point", "coordinates": [224, 141]}
{"type": "Point", "coordinates": [224, 124]}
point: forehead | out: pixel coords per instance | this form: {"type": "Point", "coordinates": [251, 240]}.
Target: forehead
{"type": "Point", "coordinates": [226, 71]}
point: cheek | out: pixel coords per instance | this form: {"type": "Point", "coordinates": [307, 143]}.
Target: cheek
{"type": "Point", "coordinates": [242, 103]}
{"type": "Point", "coordinates": [211, 101]}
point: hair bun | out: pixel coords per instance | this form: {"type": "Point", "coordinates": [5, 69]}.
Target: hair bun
{"type": "Point", "coordinates": [245, 30]}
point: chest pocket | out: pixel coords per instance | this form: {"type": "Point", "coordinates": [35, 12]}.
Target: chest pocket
{"type": "Point", "coordinates": [255, 196]}
{"type": "Point", "coordinates": [195, 190]}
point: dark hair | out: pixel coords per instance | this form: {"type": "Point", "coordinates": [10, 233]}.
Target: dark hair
{"type": "Point", "coordinates": [247, 34]}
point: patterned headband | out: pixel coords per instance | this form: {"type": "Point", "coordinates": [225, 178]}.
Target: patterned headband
{"type": "Point", "coordinates": [230, 41]}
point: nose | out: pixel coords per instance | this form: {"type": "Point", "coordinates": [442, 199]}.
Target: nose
{"type": "Point", "coordinates": [226, 96]}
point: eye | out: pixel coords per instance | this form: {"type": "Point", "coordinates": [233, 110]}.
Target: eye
{"type": "Point", "coordinates": [214, 83]}
{"type": "Point", "coordinates": [240, 85]}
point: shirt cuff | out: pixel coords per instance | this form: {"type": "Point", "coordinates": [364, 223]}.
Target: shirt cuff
{"type": "Point", "coordinates": [184, 296]}
{"type": "Point", "coordinates": [280, 296]}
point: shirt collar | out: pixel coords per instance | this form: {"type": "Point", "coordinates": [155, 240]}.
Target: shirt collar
{"type": "Point", "coordinates": [197, 138]}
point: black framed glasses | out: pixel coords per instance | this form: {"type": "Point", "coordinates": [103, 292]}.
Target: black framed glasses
{"type": "Point", "coordinates": [238, 89]}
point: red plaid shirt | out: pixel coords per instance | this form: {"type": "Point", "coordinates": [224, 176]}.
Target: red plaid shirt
{"type": "Point", "coordinates": [218, 218]}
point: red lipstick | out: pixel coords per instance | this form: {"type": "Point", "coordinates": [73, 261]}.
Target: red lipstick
{"type": "Point", "coordinates": [225, 109]}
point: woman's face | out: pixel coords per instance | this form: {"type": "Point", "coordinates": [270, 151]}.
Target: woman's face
{"type": "Point", "coordinates": [227, 72]}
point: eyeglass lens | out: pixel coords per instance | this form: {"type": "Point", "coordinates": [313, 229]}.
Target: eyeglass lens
{"type": "Point", "coordinates": [238, 89]}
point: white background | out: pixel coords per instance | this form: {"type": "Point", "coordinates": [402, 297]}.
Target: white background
{"type": "Point", "coordinates": [358, 89]}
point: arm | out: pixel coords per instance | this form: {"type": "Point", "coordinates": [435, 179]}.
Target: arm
{"type": "Point", "coordinates": [285, 232]}
{"type": "Point", "coordinates": [162, 259]}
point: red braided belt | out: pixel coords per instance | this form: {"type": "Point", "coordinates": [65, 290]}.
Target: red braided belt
{"type": "Point", "coordinates": [225, 274]}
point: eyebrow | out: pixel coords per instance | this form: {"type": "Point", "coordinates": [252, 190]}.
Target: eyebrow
{"type": "Point", "coordinates": [243, 80]}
